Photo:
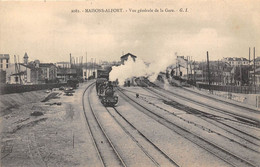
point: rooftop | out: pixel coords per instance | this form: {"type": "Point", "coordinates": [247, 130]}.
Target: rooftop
{"type": "Point", "coordinates": [4, 56]}
{"type": "Point", "coordinates": [236, 59]}
{"type": "Point", "coordinates": [46, 64]}
{"type": "Point", "coordinates": [128, 54]}
{"type": "Point", "coordinates": [63, 62]}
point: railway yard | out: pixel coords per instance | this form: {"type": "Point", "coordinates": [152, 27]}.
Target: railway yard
{"type": "Point", "coordinates": [152, 125]}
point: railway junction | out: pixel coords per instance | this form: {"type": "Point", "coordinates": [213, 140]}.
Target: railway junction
{"type": "Point", "coordinates": [151, 125]}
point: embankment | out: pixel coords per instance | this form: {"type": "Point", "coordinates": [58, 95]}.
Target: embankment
{"type": "Point", "coordinates": [9, 101]}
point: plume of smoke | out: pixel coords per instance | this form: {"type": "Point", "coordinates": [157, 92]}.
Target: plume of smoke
{"type": "Point", "coordinates": [129, 70]}
{"type": "Point", "coordinates": [160, 65]}
{"type": "Point", "coordinates": [138, 68]}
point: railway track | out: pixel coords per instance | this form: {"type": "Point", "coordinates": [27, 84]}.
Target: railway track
{"type": "Point", "coordinates": [223, 101]}
{"type": "Point", "coordinates": [209, 146]}
{"type": "Point", "coordinates": [210, 116]}
{"type": "Point", "coordinates": [101, 141]}
{"type": "Point", "coordinates": [212, 119]}
{"type": "Point", "coordinates": [253, 146]}
{"type": "Point", "coordinates": [249, 121]}
{"type": "Point", "coordinates": [172, 162]}
{"type": "Point", "coordinates": [253, 141]}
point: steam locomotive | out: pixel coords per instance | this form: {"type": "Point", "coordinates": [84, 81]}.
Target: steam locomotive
{"type": "Point", "coordinates": [105, 89]}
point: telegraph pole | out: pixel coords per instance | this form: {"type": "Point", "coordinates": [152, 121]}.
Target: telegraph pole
{"type": "Point", "coordinates": [176, 69]}
{"type": "Point", "coordinates": [208, 68]}
{"type": "Point", "coordinates": [191, 68]}
{"type": "Point", "coordinates": [194, 72]}
{"type": "Point", "coordinates": [95, 68]}
{"type": "Point", "coordinates": [254, 70]}
{"type": "Point", "coordinates": [202, 66]}
{"type": "Point", "coordinates": [249, 67]}
{"type": "Point", "coordinates": [219, 73]}
{"type": "Point", "coordinates": [240, 75]}
{"type": "Point", "coordinates": [187, 68]}
{"type": "Point", "coordinates": [70, 60]}
{"type": "Point", "coordinates": [87, 65]}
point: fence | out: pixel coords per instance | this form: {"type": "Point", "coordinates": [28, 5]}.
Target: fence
{"type": "Point", "coordinates": [10, 88]}
{"type": "Point", "coordinates": [233, 89]}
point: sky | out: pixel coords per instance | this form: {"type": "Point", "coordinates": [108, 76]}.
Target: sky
{"type": "Point", "coordinates": [49, 31]}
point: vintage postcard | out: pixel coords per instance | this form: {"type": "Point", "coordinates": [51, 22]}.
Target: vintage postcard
{"type": "Point", "coordinates": [130, 83]}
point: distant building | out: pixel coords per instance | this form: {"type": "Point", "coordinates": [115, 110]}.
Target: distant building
{"type": "Point", "coordinates": [257, 62]}
{"type": "Point", "coordinates": [4, 65]}
{"type": "Point", "coordinates": [48, 72]}
{"type": "Point", "coordinates": [64, 74]}
{"type": "Point", "coordinates": [257, 76]}
{"type": "Point", "coordinates": [125, 57]}
{"type": "Point", "coordinates": [32, 72]}
{"type": "Point", "coordinates": [228, 75]}
{"type": "Point", "coordinates": [234, 61]}
{"type": "Point", "coordinates": [88, 73]}
{"type": "Point", "coordinates": [22, 74]}
{"type": "Point", "coordinates": [63, 64]}
{"type": "Point", "coordinates": [4, 61]}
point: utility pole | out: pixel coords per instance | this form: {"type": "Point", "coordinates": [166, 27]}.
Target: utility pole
{"type": "Point", "coordinates": [208, 69]}
{"type": "Point", "coordinates": [187, 68]}
{"type": "Point", "coordinates": [191, 68]}
{"type": "Point", "coordinates": [91, 66]}
{"type": "Point", "coordinates": [240, 75]}
{"type": "Point", "coordinates": [87, 65]}
{"type": "Point", "coordinates": [81, 61]}
{"type": "Point", "coordinates": [194, 72]}
{"type": "Point", "coordinates": [89, 71]}
{"type": "Point", "coordinates": [249, 67]}
{"type": "Point", "coordinates": [16, 68]}
{"type": "Point", "coordinates": [202, 67]}
{"type": "Point", "coordinates": [176, 69]}
{"type": "Point", "coordinates": [191, 65]}
{"type": "Point", "coordinates": [218, 73]}
{"type": "Point", "coordinates": [254, 70]}
{"type": "Point", "coordinates": [95, 68]}
{"type": "Point", "coordinates": [70, 60]}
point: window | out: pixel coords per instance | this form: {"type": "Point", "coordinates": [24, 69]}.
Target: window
{"type": "Point", "coordinates": [1, 61]}
{"type": "Point", "coordinates": [1, 65]}
{"type": "Point", "coordinates": [6, 65]}
{"type": "Point", "coordinates": [7, 60]}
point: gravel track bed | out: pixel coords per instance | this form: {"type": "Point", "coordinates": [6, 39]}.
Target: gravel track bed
{"type": "Point", "coordinates": [175, 145]}
{"type": "Point", "coordinates": [228, 109]}
{"type": "Point", "coordinates": [212, 112]}
{"type": "Point", "coordinates": [105, 149]}
{"type": "Point", "coordinates": [130, 152]}
{"type": "Point", "coordinates": [212, 137]}
{"type": "Point", "coordinates": [155, 153]}
{"type": "Point", "coordinates": [212, 124]}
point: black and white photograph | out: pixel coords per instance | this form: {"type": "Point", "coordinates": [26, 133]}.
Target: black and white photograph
{"type": "Point", "coordinates": [127, 83]}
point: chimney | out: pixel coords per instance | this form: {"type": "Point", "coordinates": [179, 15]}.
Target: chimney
{"type": "Point", "coordinates": [25, 58]}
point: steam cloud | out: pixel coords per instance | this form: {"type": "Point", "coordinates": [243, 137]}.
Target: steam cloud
{"type": "Point", "coordinates": [138, 68]}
